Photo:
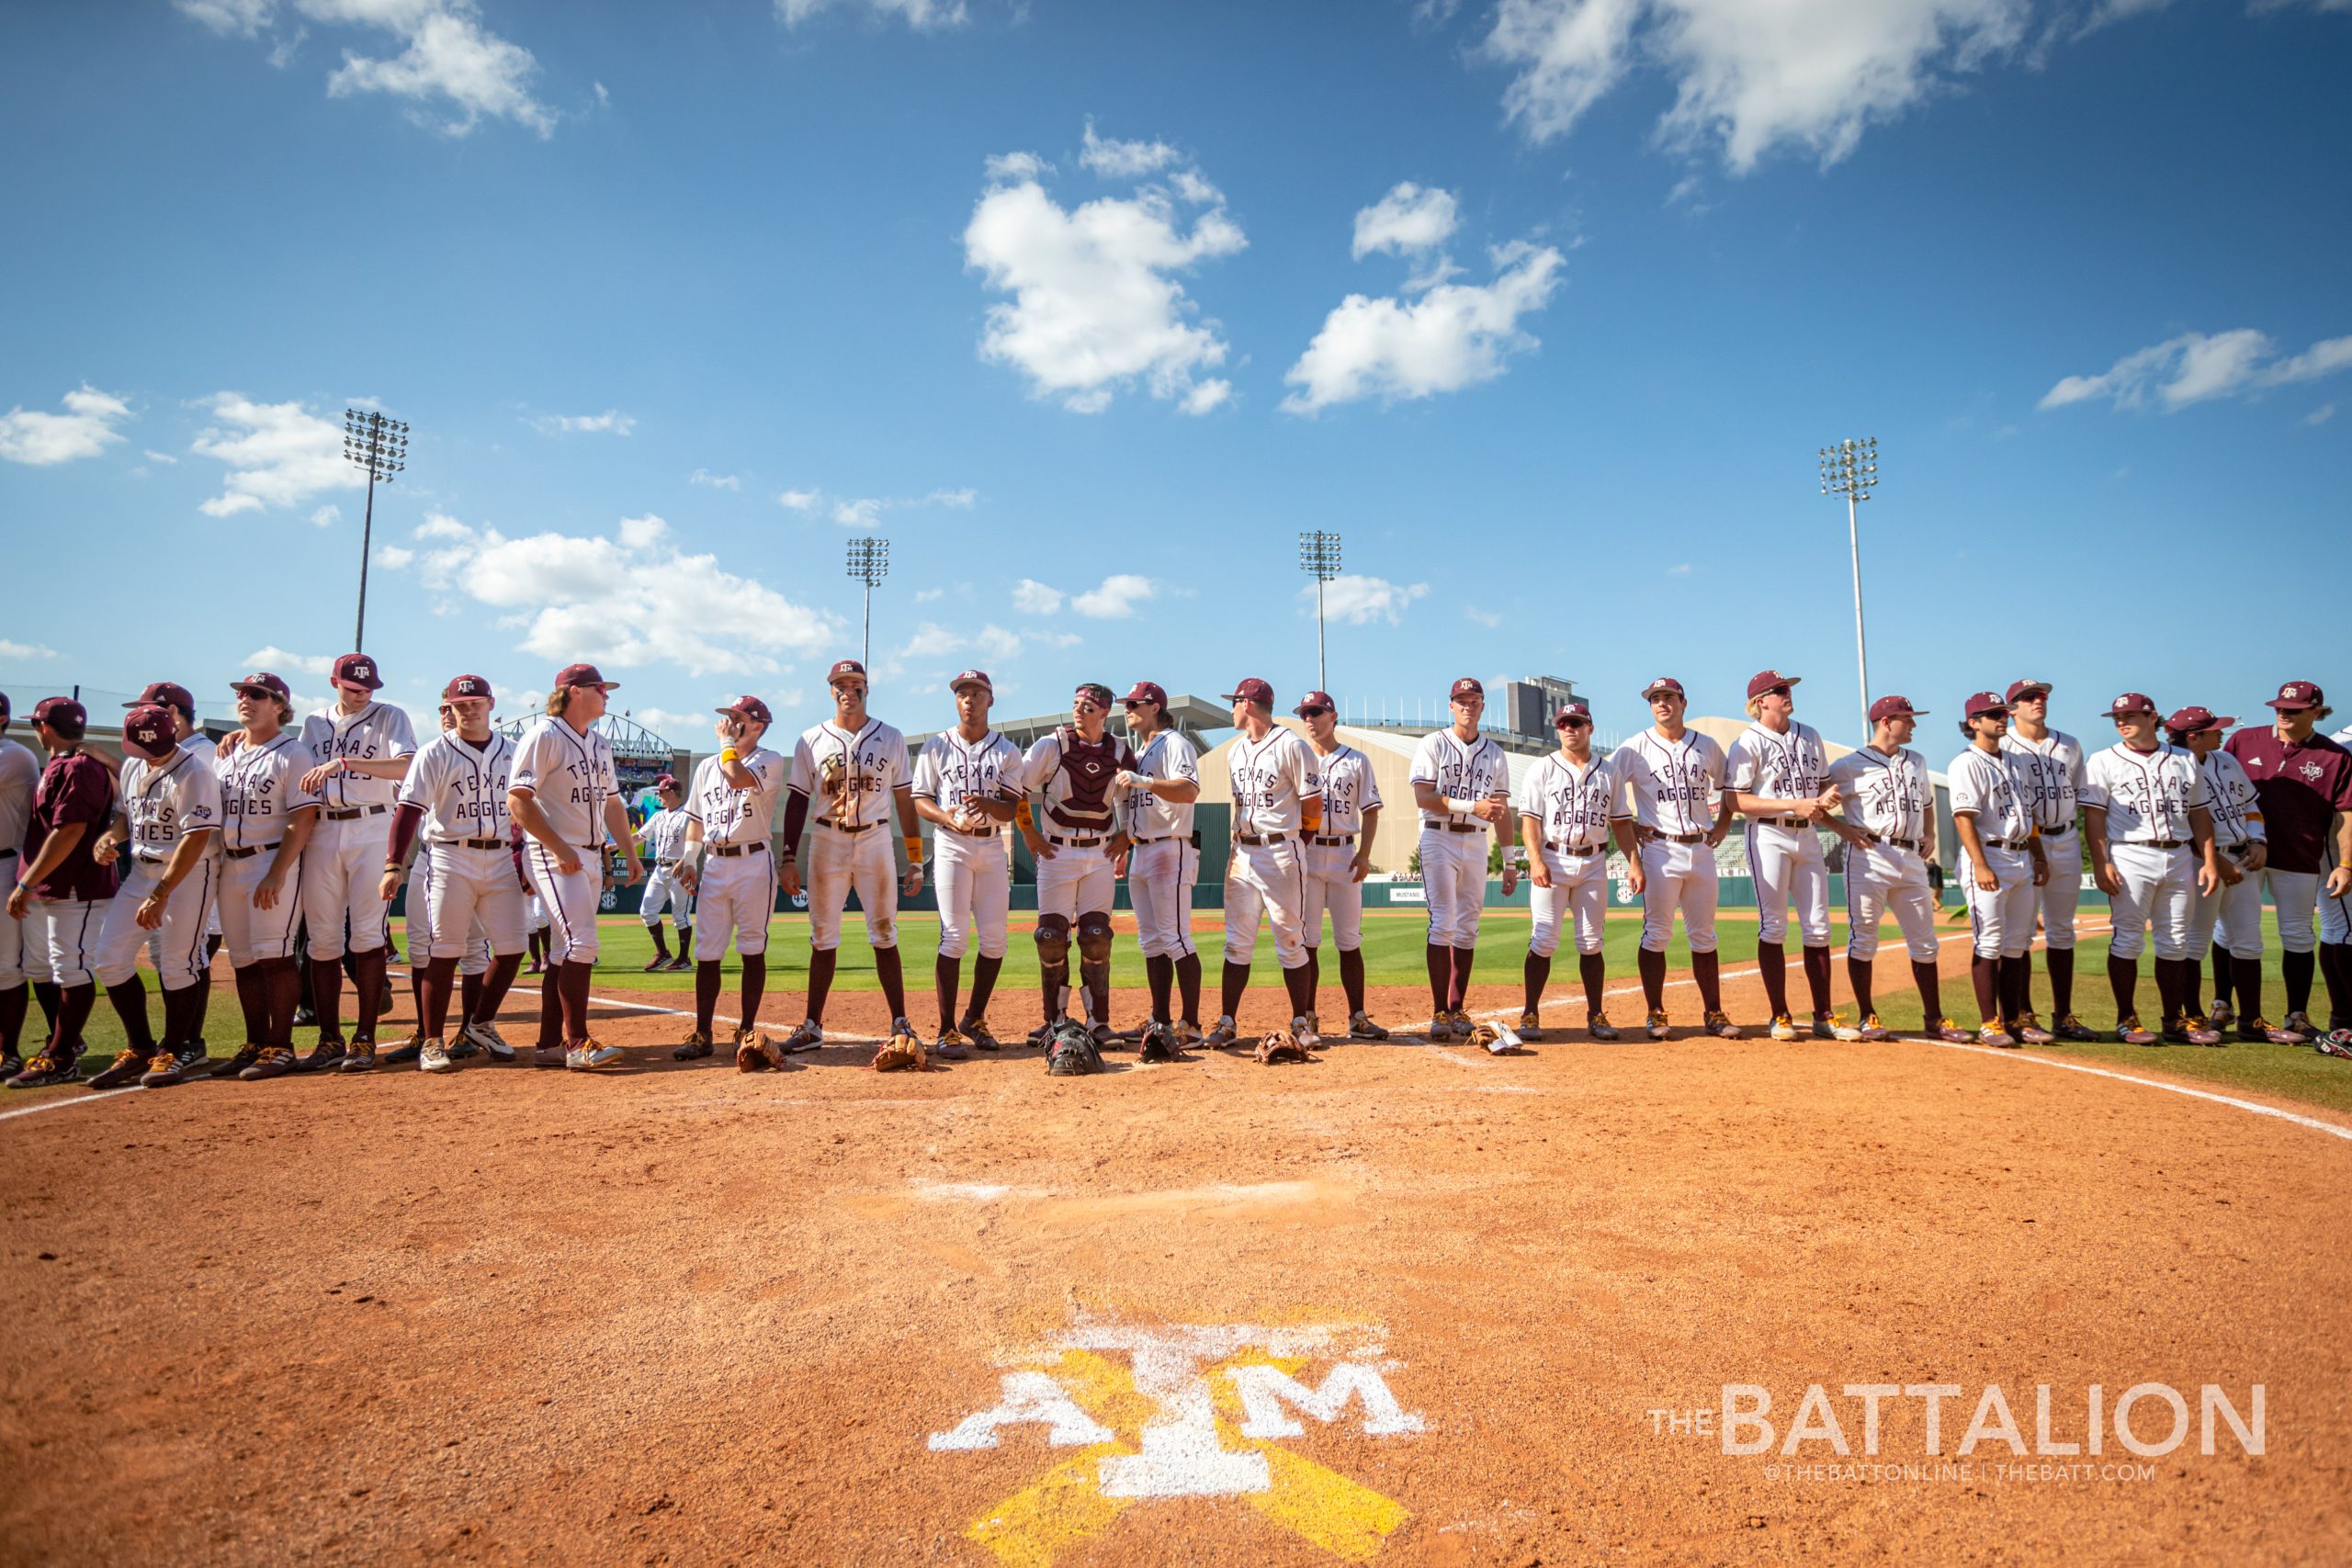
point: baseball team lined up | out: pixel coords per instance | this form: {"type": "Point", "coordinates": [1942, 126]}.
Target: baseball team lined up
{"type": "Point", "coordinates": [2184, 825]}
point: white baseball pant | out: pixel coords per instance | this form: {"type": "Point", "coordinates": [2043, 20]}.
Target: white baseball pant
{"type": "Point", "coordinates": [975, 892]}
{"type": "Point", "coordinates": [1077, 881]}
{"type": "Point", "coordinates": [343, 866]}
{"type": "Point", "coordinates": [736, 898]}
{"type": "Point", "coordinates": [211, 921]}
{"type": "Point", "coordinates": [1579, 891]}
{"type": "Point", "coordinates": [1789, 867]}
{"type": "Point", "coordinates": [1161, 876]}
{"type": "Point", "coordinates": [1266, 881]}
{"type": "Point", "coordinates": [839, 861]}
{"type": "Point", "coordinates": [2335, 913]}
{"type": "Point", "coordinates": [1333, 887]}
{"type": "Point", "coordinates": [66, 930]}
{"type": "Point", "coordinates": [2003, 919]}
{"type": "Point", "coordinates": [2231, 915]}
{"type": "Point", "coordinates": [571, 897]}
{"type": "Point", "coordinates": [1678, 876]}
{"type": "Point", "coordinates": [1880, 877]}
{"type": "Point", "coordinates": [664, 891]}
{"type": "Point", "coordinates": [12, 932]}
{"type": "Point", "coordinates": [535, 911]}
{"type": "Point", "coordinates": [252, 934]}
{"type": "Point", "coordinates": [2058, 898]}
{"type": "Point", "coordinates": [1454, 880]}
{"type": "Point", "coordinates": [121, 937]}
{"type": "Point", "coordinates": [2294, 897]}
{"type": "Point", "coordinates": [422, 928]}
{"type": "Point", "coordinates": [2159, 891]}
{"type": "Point", "coordinates": [469, 898]}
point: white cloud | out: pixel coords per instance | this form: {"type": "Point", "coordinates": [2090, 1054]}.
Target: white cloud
{"type": "Point", "coordinates": [922, 16]}
{"type": "Point", "coordinates": [1190, 186]}
{"type": "Point", "coordinates": [612, 422]}
{"type": "Point", "coordinates": [83, 430]}
{"type": "Point", "coordinates": [632, 598]}
{"type": "Point", "coordinates": [1488, 618]}
{"type": "Point", "coordinates": [2194, 367]}
{"type": "Point", "coordinates": [1359, 601]}
{"type": "Point", "coordinates": [1033, 598]}
{"type": "Point", "coordinates": [277, 454]}
{"type": "Point", "coordinates": [866, 510]}
{"type": "Point", "coordinates": [1096, 305]}
{"type": "Point", "coordinates": [992, 642]}
{"type": "Point", "coordinates": [2321, 414]}
{"type": "Point", "coordinates": [441, 525]}
{"type": "Point", "coordinates": [1116, 597]}
{"type": "Point", "coordinates": [326, 516]}
{"type": "Point", "coordinates": [861, 513]}
{"type": "Point", "coordinates": [1125, 160]}
{"type": "Point", "coordinates": [1013, 166]}
{"type": "Point", "coordinates": [394, 556]}
{"type": "Point", "coordinates": [715, 481]}
{"type": "Point", "coordinates": [957, 498]}
{"type": "Point", "coordinates": [1408, 221]}
{"type": "Point", "coordinates": [243, 18]}
{"type": "Point", "coordinates": [9, 649]}
{"type": "Point", "coordinates": [277, 661]}
{"type": "Point", "coordinates": [1749, 76]}
{"type": "Point", "coordinates": [1454, 336]}
{"type": "Point", "coordinates": [163, 458]}
{"type": "Point", "coordinates": [1682, 569]}
{"type": "Point", "coordinates": [798, 500]}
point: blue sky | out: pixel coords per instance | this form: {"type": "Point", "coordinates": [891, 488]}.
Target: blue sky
{"type": "Point", "coordinates": [1545, 305]}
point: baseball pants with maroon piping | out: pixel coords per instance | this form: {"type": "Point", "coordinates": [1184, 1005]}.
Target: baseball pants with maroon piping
{"type": "Point", "coordinates": [1788, 866]}
{"type": "Point", "coordinates": [2003, 919]}
{"type": "Point", "coordinates": [1678, 877]}
{"type": "Point", "coordinates": [472, 908]}
{"type": "Point", "coordinates": [737, 896]}
{"type": "Point", "coordinates": [572, 899]}
{"type": "Point", "coordinates": [1579, 892]}
{"type": "Point", "coordinates": [975, 892]}
{"type": "Point", "coordinates": [839, 861]}
{"type": "Point", "coordinates": [1266, 882]}
{"type": "Point", "coordinates": [68, 932]}
{"type": "Point", "coordinates": [1454, 880]}
{"type": "Point", "coordinates": [182, 931]}
{"type": "Point", "coordinates": [1333, 887]}
{"type": "Point", "coordinates": [2159, 891]}
{"type": "Point", "coordinates": [253, 934]}
{"type": "Point", "coordinates": [1161, 876]}
{"type": "Point", "coordinates": [2217, 915]}
{"type": "Point", "coordinates": [1880, 877]}
{"type": "Point", "coordinates": [2062, 896]}
{"type": "Point", "coordinates": [342, 866]}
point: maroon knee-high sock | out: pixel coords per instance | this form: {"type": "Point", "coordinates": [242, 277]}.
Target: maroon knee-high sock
{"type": "Point", "coordinates": [1653, 968]}
{"type": "Point", "coordinates": [13, 1003]}
{"type": "Point", "coordinates": [552, 1007]}
{"type": "Point", "coordinates": [1313, 976]}
{"type": "Point", "coordinates": [1301, 986]}
{"type": "Point", "coordinates": [709, 980]}
{"type": "Point", "coordinates": [2295, 969]}
{"type": "Point", "coordinates": [2245, 984]}
{"type": "Point", "coordinates": [1931, 1002]}
{"type": "Point", "coordinates": [252, 1000]}
{"type": "Point", "coordinates": [1707, 969]}
{"type": "Point", "coordinates": [1858, 976]}
{"type": "Point", "coordinates": [368, 981]}
{"type": "Point", "coordinates": [1817, 977]}
{"type": "Point", "coordinates": [1535, 974]}
{"type": "Point", "coordinates": [577, 978]}
{"type": "Point", "coordinates": [2016, 987]}
{"type": "Point", "coordinates": [1352, 977]}
{"type": "Point", "coordinates": [1237, 980]}
{"type": "Point", "coordinates": [1772, 962]}
{"type": "Point", "coordinates": [886, 970]}
{"type": "Point", "coordinates": [494, 986]}
{"type": "Point", "coordinates": [1160, 973]}
{"type": "Point", "coordinates": [1188, 988]}
{"type": "Point", "coordinates": [1439, 962]}
{"type": "Point", "coordinates": [947, 979]}
{"type": "Point", "coordinates": [2060, 960]}
{"type": "Point", "coordinates": [129, 1000]}
{"type": "Point", "coordinates": [2221, 991]}
{"type": "Point", "coordinates": [180, 1029]}
{"type": "Point", "coordinates": [755, 985]}
{"type": "Point", "coordinates": [1984, 973]}
{"type": "Point", "coordinates": [821, 980]}
{"type": "Point", "coordinates": [285, 992]}
{"type": "Point", "coordinates": [984, 972]}
{"type": "Point", "coordinates": [326, 996]}
{"type": "Point", "coordinates": [1593, 969]}
{"type": "Point", "coordinates": [2123, 979]}
{"type": "Point", "coordinates": [1458, 991]}
{"type": "Point", "coordinates": [469, 990]}
{"type": "Point", "coordinates": [74, 1007]}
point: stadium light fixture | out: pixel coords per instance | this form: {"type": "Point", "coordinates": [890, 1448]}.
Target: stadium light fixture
{"type": "Point", "coordinates": [1850, 469]}
{"type": "Point", "coordinates": [380, 446]}
{"type": "Point", "coordinates": [869, 562]}
{"type": "Point", "coordinates": [1318, 557]}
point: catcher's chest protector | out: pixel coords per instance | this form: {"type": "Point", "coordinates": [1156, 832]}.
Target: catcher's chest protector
{"type": "Point", "coordinates": [1087, 769]}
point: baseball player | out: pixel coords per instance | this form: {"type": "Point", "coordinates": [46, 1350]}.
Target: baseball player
{"type": "Point", "coordinates": [62, 896]}
{"type": "Point", "coordinates": [1338, 857]}
{"type": "Point", "coordinates": [561, 791]}
{"type": "Point", "coordinates": [727, 866]}
{"type": "Point", "coordinates": [181, 704]}
{"type": "Point", "coordinates": [473, 965]}
{"type": "Point", "coordinates": [854, 768]}
{"type": "Point", "coordinates": [1070, 777]}
{"type": "Point", "coordinates": [19, 782]}
{"type": "Point", "coordinates": [453, 797]}
{"type": "Point", "coordinates": [662, 841]}
{"type": "Point", "coordinates": [1888, 821]}
{"type": "Point", "coordinates": [168, 816]}
{"type": "Point", "coordinates": [266, 820]}
{"type": "Point", "coordinates": [2336, 937]}
{"type": "Point", "coordinates": [360, 749]}
{"type": "Point", "coordinates": [1277, 802]}
{"type": "Point", "coordinates": [1461, 784]}
{"type": "Point", "coordinates": [2048, 766]}
{"type": "Point", "coordinates": [2004, 865]}
{"type": "Point", "coordinates": [2232, 914]}
{"type": "Point", "coordinates": [1669, 828]}
{"type": "Point", "coordinates": [1564, 808]}
{"type": "Point", "coordinates": [2151, 832]}
{"type": "Point", "coordinates": [1161, 866]}
{"type": "Point", "coordinates": [1778, 777]}
{"type": "Point", "coordinates": [968, 783]}
{"type": "Point", "coordinates": [2302, 781]}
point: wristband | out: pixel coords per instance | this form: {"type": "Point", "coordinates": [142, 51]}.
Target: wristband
{"type": "Point", "coordinates": [728, 754]}
{"type": "Point", "coordinates": [914, 850]}
{"type": "Point", "coordinates": [1459, 807]}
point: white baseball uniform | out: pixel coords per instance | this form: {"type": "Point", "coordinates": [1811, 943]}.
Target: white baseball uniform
{"type": "Point", "coordinates": [19, 779]}
{"type": "Point", "coordinates": [463, 855]}
{"type": "Point", "coordinates": [165, 802]}
{"type": "Point", "coordinates": [201, 745]}
{"type": "Point", "coordinates": [2049, 775]}
{"type": "Point", "coordinates": [1272, 780]}
{"type": "Point", "coordinates": [2335, 912]}
{"type": "Point", "coordinates": [974, 870]}
{"type": "Point", "coordinates": [737, 893]}
{"type": "Point", "coordinates": [2148, 797]}
{"type": "Point", "coordinates": [1670, 788]}
{"type": "Point", "coordinates": [1349, 791]}
{"type": "Point", "coordinates": [662, 841]}
{"type": "Point", "coordinates": [570, 776]}
{"type": "Point", "coordinates": [1571, 805]}
{"type": "Point", "coordinates": [1165, 863]}
{"type": "Point", "coordinates": [343, 863]}
{"type": "Point", "coordinates": [1077, 783]}
{"type": "Point", "coordinates": [1891, 796]}
{"type": "Point", "coordinates": [1784, 852]}
{"type": "Point", "coordinates": [261, 787]}
{"type": "Point", "coordinates": [1984, 785]}
{"type": "Point", "coordinates": [1454, 843]}
{"type": "Point", "coordinates": [2232, 916]}
{"type": "Point", "coordinates": [849, 826]}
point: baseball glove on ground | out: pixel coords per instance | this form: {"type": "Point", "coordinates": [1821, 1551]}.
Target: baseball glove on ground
{"type": "Point", "coordinates": [1498, 1041]}
{"type": "Point", "coordinates": [1070, 1051]}
{"type": "Point", "coordinates": [1159, 1044]}
{"type": "Point", "coordinates": [755, 1053]}
{"type": "Point", "coordinates": [903, 1053]}
{"type": "Point", "coordinates": [1278, 1046]}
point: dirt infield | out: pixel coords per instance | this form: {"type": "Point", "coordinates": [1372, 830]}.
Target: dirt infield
{"type": "Point", "coordinates": [1406, 1305]}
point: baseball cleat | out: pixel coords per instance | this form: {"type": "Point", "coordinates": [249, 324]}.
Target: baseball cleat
{"type": "Point", "coordinates": [1188, 1034]}
{"type": "Point", "coordinates": [1951, 1034]}
{"type": "Point", "coordinates": [1361, 1027]}
{"type": "Point", "coordinates": [976, 1029]}
{"type": "Point", "coordinates": [163, 1069]}
{"type": "Point", "coordinates": [808, 1037]}
{"type": "Point", "coordinates": [433, 1057]}
{"type": "Point", "coordinates": [2069, 1027]}
{"type": "Point", "coordinates": [2129, 1032]}
{"type": "Point", "coordinates": [2030, 1033]}
{"type": "Point", "coordinates": [679, 964]}
{"type": "Point", "coordinates": [2300, 1024]}
{"type": "Point", "coordinates": [10, 1065]}
{"type": "Point", "coordinates": [1530, 1027]}
{"type": "Point", "coordinates": [1657, 1026]}
{"type": "Point", "coordinates": [2335, 1042]}
{"type": "Point", "coordinates": [2262, 1032]}
{"type": "Point", "coordinates": [407, 1049]}
{"type": "Point", "coordinates": [1223, 1034]}
{"type": "Point", "coordinates": [1314, 1024]}
{"type": "Point", "coordinates": [2221, 1018]}
{"type": "Point", "coordinates": [269, 1062]}
{"type": "Point", "coordinates": [1103, 1035]}
{"type": "Point", "coordinates": [655, 965]}
{"type": "Point", "coordinates": [1830, 1026]}
{"type": "Point", "coordinates": [235, 1065]}
{"type": "Point", "coordinates": [1783, 1027]}
{"type": "Point", "coordinates": [1597, 1026]}
{"type": "Point", "coordinates": [1719, 1025]}
{"type": "Point", "coordinates": [1302, 1029]}
{"type": "Point", "coordinates": [192, 1056]}
{"type": "Point", "coordinates": [1873, 1029]}
{"type": "Point", "coordinates": [328, 1053]}
{"type": "Point", "coordinates": [45, 1069]}
{"type": "Point", "coordinates": [594, 1055]}
{"type": "Point", "coordinates": [696, 1047]}
{"type": "Point", "coordinates": [2191, 1029]}
{"type": "Point", "coordinates": [951, 1045]}
{"type": "Point", "coordinates": [1994, 1034]}
{"type": "Point", "coordinates": [127, 1066]}
{"type": "Point", "coordinates": [1440, 1029]}
{"type": "Point", "coordinates": [484, 1033]}
{"type": "Point", "coordinates": [361, 1058]}
{"type": "Point", "coordinates": [306, 1017]}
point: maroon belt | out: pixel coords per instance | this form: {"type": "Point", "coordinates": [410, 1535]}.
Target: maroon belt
{"type": "Point", "coordinates": [250, 852]}
{"type": "Point", "coordinates": [729, 852]}
{"type": "Point", "coordinates": [1254, 839]}
{"type": "Point", "coordinates": [355, 811]}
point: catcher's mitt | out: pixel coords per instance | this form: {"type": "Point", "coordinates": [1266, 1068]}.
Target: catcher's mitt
{"type": "Point", "coordinates": [1278, 1046]}
{"type": "Point", "coordinates": [1070, 1051]}
{"type": "Point", "coordinates": [903, 1053]}
{"type": "Point", "coordinates": [1498, 1041]}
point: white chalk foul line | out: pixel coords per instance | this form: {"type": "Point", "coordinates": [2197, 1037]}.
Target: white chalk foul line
{"type": "Point", "coordinates": [85, 1099]}
{"type": "Point", "coordinates": [2330, 1128]}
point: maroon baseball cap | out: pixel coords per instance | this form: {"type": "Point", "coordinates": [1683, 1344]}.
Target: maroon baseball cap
{"type": "Point", "coordinates": [1896, 707]}
{"type": "Point", "coordinates": [667, 780]}
{"type": "Point", "coordinates": [357, 670]}
{"type": "Point", "coordinates": [1983, 704]}
{"type": "Point", "coordinates": [2192, 720]}
{"type": "Point", "coordinates": [843, 669]}
{"type": "Point", "coordinates": [582, 675]}
{"type": "Point", "coordinates": [262, 681]}
{"type": "Point", "coordinates": [150, 729]}
{"type": "Point", "coordinates": [1466, 687]}
{"type": "Point", "coordinates": [1146, 692]}
{"type": "Point", "coordinates": [1663, 683]}
{"type": "Point", "coordinates": [972, 678]}
{"type": "Point", "coordinates": [164, 694]}
{"type": "Point", "coordinates": [1315, 700]}
{"type": "Point", "coordinates": [1764, 680]}
{"type": "Point", "coordinates": [750, 707]}
{"type": "Point", "coordinates": [467, 686]}
{"type": "Point", "coordinates": [2028, 688]}
{"type": "Point", "coordinates": [2131, 702]}
{"type": "Point", "coordinates": [1252, 690]}
{"type": "Point", "coordinates": [2297, 694]}
{"type": "Point", "coordinates": [49, 709]}
{"type": "Point", "coordinates": [1575, 708]}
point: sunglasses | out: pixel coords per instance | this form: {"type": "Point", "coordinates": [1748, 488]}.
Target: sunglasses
{"type": "Point", "coordinates": [1574, 723]}
{"type": "Point", "coordinates": [1313, 712]}
{"type": "Point", "coordinates": [1133, 703]}
{"type": "Point", "coordinates": [1776, 691]}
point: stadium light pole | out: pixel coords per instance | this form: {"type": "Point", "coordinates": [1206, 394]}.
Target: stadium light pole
{"type": "Point", "coordinates": [1850, 469]}
{"type": "Point", "coordinates": [1318, 557]}
{"type": "Point", "coordinates": [380, 446]}
{"type": "Point", "coordinates": [869, 562]}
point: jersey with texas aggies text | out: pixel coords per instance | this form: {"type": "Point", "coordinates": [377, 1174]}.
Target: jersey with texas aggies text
{"type": "Point", "coordinates": [570, 775]}
{"type": "Point", "coordinates": [261, 786]}
{"type": "Point", "coordinates": [1349, 791]}
{"type": "Point", "coordinates": [732, 815]}
{"type": "Point", "coordinates": [952, 771]}
{"type": "Point", "coordinates": [1571, 805]}
{"type": "Point", "coordinates": [1167, 755]}
{"type": "Point", "coordinates": [663, 839]}
{"type": "Point", "coordinates": [460, 787]}
{"type": "Point", "coordinates": [849, 778]}
{"type": "Point", "coordinates": [2050, 773]}
{"type": "Point", "coordinates": [1072, 775]}
{"type": "Point", "coordinates": [2229, 797]}
{"type": "Point", "coordinates": [1672, 783]}
{"type": "Point", "coordinates": [169, 801]}
{"type": "Point", "coordinates": [1777, 767]}
{"type": "Point", "coordinates": [1985, 785]}
{"type": "Point", "coordinates": [1891, 795]}
{"type": "Point", "coordinates": [1477, 771]}
{"type": "Point", "coordinates": [377, 730]}
{"type": "Point", "coordinates": [2148, 795]}
{"type": "Point", "coordinates": [1273, 778]}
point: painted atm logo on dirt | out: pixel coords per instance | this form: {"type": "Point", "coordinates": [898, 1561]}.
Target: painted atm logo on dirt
{"type": "Point", "coordinates": [1165, 1412]}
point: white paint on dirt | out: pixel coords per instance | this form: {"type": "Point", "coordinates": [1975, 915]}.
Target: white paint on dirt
{"type": "Point", "coordinates": [1025, 1397]}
